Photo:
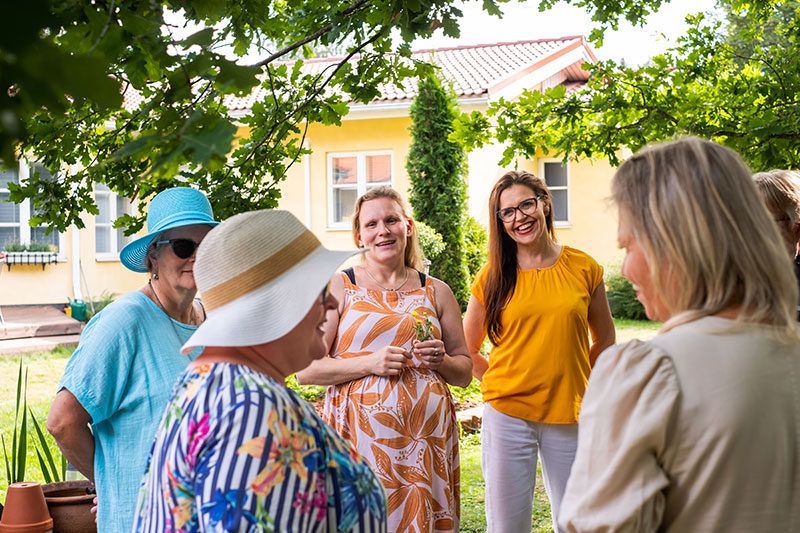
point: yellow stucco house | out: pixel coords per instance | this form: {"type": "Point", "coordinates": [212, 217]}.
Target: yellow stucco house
{"type": "Point", "coordinates": [368, 149]}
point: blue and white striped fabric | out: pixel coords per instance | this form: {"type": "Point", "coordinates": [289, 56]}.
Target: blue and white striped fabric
{"type": "Point", "coordinates": [237, 451]}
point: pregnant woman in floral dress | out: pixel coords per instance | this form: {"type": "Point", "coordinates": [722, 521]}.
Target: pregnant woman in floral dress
{"type": "Point", "coordinates": [388, 390]}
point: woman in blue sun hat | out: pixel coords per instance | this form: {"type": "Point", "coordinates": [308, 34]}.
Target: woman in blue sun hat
{"type": "Point", "coordinates": [121, 375]}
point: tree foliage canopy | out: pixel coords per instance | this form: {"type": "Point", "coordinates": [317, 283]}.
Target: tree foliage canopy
{"type": "Point", "coordinates": [735, 83]}
{"type": "Point", "coordinates": [64, 66]}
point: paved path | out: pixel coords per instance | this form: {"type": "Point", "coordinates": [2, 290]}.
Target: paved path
{"type": "Point", "coordinates": [36, 344]}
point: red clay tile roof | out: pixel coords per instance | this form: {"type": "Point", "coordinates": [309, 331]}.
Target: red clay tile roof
{"type": "Point", "coordinates": [472, 70]}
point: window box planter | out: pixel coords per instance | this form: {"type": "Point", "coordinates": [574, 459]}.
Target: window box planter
{"type": "Point", "coordinates": [28, 258]}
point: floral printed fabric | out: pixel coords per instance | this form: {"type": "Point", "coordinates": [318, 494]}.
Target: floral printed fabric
{"type": "Point", "coordinates": [404, 426]}
{"type": "Point", "coordinates": [237, 451]}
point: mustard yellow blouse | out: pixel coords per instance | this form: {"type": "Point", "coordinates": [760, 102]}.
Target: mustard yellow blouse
{"type": "Point", "coordinates": [540, 367]}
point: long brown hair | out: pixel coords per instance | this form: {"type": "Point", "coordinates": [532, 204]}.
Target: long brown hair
{"type": "Point", "coordinates": [413, 257]}
{"type": "Point", "coordinates": [501, 278]}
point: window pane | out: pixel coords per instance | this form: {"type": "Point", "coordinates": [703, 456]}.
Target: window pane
{"type": "Point", "coordinates": [8, 234]}
{"type": "Point", "coordinates": [44, 174]}
{"type": "Point", "coordinates": [100, 187]}
{"type": "Point", "coordinates": [555, 175]}
{"type": "Point", "coordinates": [104, 217]}
{"type": "Point", "coordinates": [8, 176]}
{"type": "Point", "coordinates": [9, 211]}
{"type": "Point", "coordinates": [38, 235]}
{"type": "Point", "coordinates": [102, 240]}
{"type": "Point", "coordinates": [122, 240]}
{"type": "Point", "coordinates": [344, 201]}
{"type": "Point", "coordinates": [345, 170]}
{"type": "Point", "coordinates": [560, 213]}
{"type": "Point", "coordinates": [379, 168]}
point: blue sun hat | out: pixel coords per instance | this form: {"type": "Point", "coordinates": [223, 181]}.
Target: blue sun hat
{"type": "Point", "coordinates": [172, 208]}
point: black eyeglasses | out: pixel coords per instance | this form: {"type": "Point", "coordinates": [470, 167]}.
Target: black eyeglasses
{"type": "Point", "coordinates": [526, 207]}
{"type": "Point", "coordinates": [782, 219]}
{"type": "Point", "coordinates": [183, 248]}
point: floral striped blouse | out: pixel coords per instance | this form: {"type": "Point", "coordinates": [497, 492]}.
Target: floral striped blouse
{"type": "Point", "coordinates": [237, 451]}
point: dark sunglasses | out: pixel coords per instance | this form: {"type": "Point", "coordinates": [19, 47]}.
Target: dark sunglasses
{"type": "Point", "coordinates": [326, 290]}
{"type": "Point", "coordinates": [183, 248]}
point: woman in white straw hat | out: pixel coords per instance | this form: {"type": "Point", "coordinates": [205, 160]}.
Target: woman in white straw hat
{"type": "Point", "coordinates": [396, 342]}
{"type": "Point", "coordinates": [119, 378]}
{"type": "Point", "coordinates": [236, 449]}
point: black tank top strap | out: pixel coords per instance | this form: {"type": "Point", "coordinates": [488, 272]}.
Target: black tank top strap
{"type": "Point", "coordinates": [351, 274]}
{"type": "Point", "coordinates": [422, 277]}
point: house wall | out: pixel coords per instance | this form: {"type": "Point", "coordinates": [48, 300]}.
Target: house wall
{"type": "Point", "coordinates": [593, 222]}
{"type": "Point", "coordinates": [305, 193]}
{"type": "Point", "coordinates": [32, 285]}
{"type": "Point", "coordinates": [351, 136]}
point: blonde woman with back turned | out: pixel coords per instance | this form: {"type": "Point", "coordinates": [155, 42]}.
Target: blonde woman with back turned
{"type": "Point", "coordinates": [696, 429]}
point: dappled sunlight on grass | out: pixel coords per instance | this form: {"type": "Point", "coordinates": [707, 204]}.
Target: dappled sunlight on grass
{"type": "Point", "coordinates": [635, 329]}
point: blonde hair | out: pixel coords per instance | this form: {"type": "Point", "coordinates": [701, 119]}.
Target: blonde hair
{"type": "Point", "coordinates": [695, 211]}
{"type": "Point", "coordinates": [781, 191]}
{"type": "Point", "coordinates": [413, 256]}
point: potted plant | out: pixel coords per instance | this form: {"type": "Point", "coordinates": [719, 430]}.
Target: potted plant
{"type": "Point", "coordinates": [68, 502]}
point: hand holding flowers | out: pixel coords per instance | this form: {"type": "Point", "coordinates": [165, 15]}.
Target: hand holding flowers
{"type": "Point", "coordinates": [429, 349]}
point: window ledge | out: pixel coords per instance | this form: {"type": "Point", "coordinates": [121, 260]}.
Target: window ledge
{"type": "Point", "coordinates": [562, 225]}
{"type": "Point", "coordinates": [107, 258]}
{"type": "Point", "coordinates": [343, 227]}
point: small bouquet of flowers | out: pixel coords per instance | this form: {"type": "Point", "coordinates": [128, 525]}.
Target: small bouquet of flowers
{"type": "Point", "coordinates": [423, 328]}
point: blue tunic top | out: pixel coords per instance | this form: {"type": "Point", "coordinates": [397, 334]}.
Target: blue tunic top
{"type": "Point", "coordinates": [122, 373]}
{"type": "Point", "coordinates": [237, 451]}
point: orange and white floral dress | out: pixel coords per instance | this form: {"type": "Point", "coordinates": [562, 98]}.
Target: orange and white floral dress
{"type": "Point", "coordinates": [404, 426]}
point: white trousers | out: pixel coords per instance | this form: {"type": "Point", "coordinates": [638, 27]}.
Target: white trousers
{"type": "Point", "coordinates": [510, 448]}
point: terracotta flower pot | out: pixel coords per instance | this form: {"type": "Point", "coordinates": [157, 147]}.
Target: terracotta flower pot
{"type": "Point", "coordinates": [25, 510]}
{"type": "Point", "coordinates": [69, 505]}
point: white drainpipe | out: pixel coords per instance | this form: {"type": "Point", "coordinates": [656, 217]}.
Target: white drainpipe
{"type": "Point", "coordinates": [307, 184]}
{"type": "Point", "coordinates": [76, 263]}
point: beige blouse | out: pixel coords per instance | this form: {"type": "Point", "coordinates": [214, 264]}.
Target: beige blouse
{"type": "Point", "coordinates": [695, 430]}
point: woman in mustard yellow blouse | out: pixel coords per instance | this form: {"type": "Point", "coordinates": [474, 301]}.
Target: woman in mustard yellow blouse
{"type": "Point", "coordinates": [537, 300]}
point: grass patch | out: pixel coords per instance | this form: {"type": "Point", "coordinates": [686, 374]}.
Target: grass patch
{"type": "Point", "coordinates": [473, 518]}
{"type": "Point", "coordinates": [635, 329]}
{"type": "Point", "coordinates": [44, 373]}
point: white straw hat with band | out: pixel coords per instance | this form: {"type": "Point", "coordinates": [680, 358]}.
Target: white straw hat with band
{"type": "Point", "coordinates": [258, 274]}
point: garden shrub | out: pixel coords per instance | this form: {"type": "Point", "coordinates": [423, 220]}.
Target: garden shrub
{"type": "Point", "coordinates": [430, 241]}
{"type": "Point", "coordinates": [436, 169]}
{"type": "Point", "coordinates": [309, 393]}
{"type": "Point", "coordinates": [476, 246]}
{"type": "Point", "coordinates": [622, 296]}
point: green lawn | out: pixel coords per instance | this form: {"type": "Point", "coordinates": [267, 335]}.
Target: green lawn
{"type": "Point", "coordinates": [473, 519]}
{"type": "Point", "coordinates": [45, 369]}
{"type": "Point", "coordinates": [44, 372]}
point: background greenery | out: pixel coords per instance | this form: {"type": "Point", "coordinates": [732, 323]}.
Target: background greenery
{"type": "Point", "coordinates": [64, 66]}
{"type": "Point", "coordinates": [733, 79]}
{"type": "Point", "coordinates": [622, 296]}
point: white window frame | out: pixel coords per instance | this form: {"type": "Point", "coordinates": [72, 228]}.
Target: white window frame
{"type": "Point", "coordinates": [113, 215]}
{"type": "Point", "coordinates": [25, 214]}
{"type": "Point", "coordinates": [361, 181]}
{"type": "Point", "coordinates": [559, 223]}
